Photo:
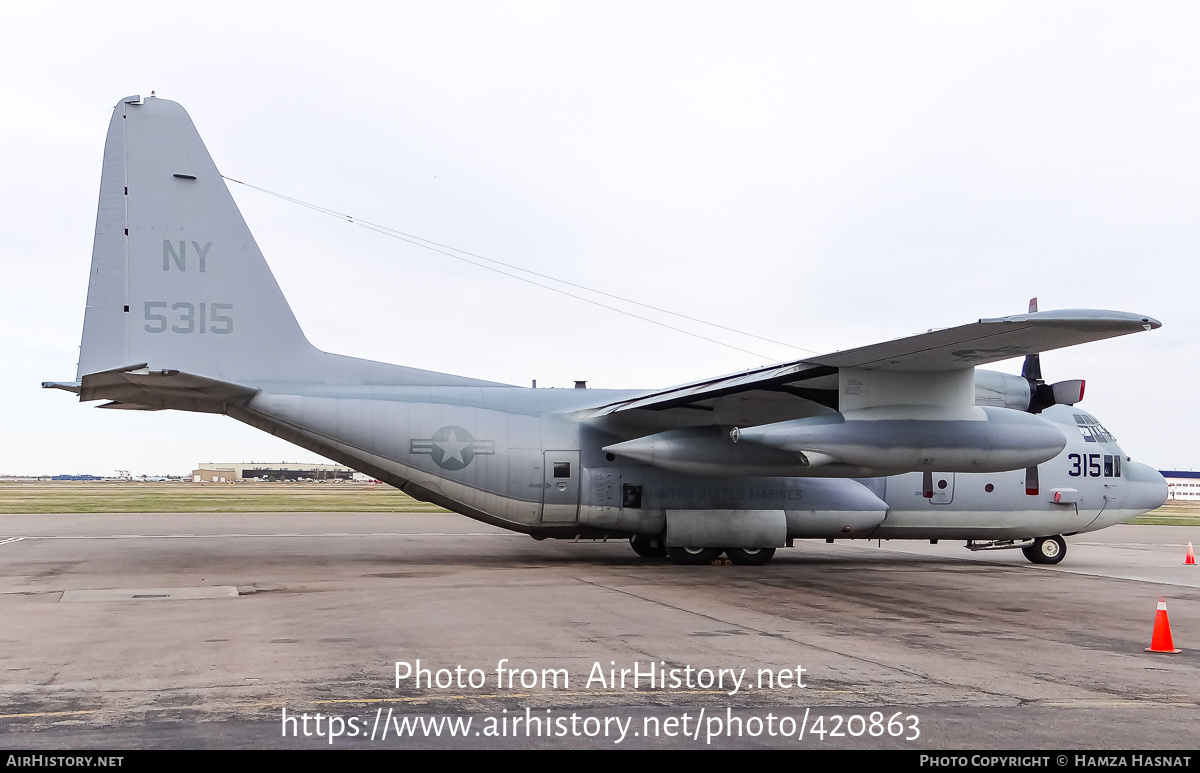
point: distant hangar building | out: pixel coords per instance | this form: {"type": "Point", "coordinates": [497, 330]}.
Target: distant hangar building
{"type": "Point", "coordinates": [214, 472]}
{"type": "Point", "coordinates": [1182, 484]}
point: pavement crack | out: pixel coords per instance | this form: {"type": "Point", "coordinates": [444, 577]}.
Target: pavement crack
{"type": "Point", "coordinates": [824, 648]}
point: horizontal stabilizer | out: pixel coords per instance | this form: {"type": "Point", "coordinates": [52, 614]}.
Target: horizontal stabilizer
{"type": "Point", "coordinates": [138, 387]}
{"type": "Point", "coordinates": [66, 386]}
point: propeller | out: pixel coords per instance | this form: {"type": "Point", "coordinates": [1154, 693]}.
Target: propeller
{"type": "Point", "coordinates": [1043, 395]}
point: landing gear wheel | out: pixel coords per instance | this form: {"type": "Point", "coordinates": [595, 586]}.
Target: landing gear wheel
{"type": "Point", "coordinates": [648, 547]}
{"type": "Point", "coordinates": [750, 556]}
{"type": "Point", "coordinates": [1046, 550]}
{"type": "Point", "coordinates": [694, 556]}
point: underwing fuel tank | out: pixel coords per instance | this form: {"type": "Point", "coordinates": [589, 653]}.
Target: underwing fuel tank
{"type": "Point", "coordinates": [711, 451]}
{"type": "Point", "coordinates": [991, 440]}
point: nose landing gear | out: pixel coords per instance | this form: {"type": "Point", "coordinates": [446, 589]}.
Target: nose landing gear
{"type": "Point", "coordinates": [1046, 550]}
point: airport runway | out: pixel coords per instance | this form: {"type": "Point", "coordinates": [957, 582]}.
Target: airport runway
{"type": "Point", "coordinates": [201, 630]}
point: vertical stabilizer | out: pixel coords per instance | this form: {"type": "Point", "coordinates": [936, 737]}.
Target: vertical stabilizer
{"type": "Point", "coordinates": [177, 281]}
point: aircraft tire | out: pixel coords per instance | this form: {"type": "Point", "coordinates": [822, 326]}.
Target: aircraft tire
{"type": "Point", "coordinates": [1046, 550]}
{"type": "Point", "coordinates": [750, 556]}
{"type": "Point", "coordinates": [648, 547]}
{"type": "Point", "coordinates": [694, 556]}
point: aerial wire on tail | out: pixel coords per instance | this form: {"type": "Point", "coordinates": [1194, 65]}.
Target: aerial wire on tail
{"type": "Point", "coordinates": [473, 259]}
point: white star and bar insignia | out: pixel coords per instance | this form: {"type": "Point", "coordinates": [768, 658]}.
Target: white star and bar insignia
{"type": "Point", "coordinates": [452, 448]}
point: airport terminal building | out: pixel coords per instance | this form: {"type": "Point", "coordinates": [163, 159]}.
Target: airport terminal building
{"type": "Point", "coordinates": [1182, 484]}
{"type": "Point", "coordinates": [214, 472]}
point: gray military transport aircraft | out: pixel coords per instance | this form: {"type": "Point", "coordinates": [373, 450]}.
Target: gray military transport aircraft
{"type": "Point", "coordinates": [899, 440]}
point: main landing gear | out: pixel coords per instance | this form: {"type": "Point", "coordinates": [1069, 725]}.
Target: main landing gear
{"type": "Point", "coordinates": [694, 556]}
{"type": "Point", "coordinates": [648, 547]}
{"type": "Point", "coordinates": [653, 547]}
{"type": "Point", "coordinates": [750, 556]}
{"type": "Point", "coordinates": [1046, 550]}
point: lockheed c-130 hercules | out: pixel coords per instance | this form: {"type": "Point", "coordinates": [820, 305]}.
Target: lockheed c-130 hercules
{"type": "Point", "coordinates": [906, 439]}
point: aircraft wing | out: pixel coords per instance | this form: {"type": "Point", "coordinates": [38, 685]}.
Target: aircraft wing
{"type": "Point", "coordinates": [955, 348]}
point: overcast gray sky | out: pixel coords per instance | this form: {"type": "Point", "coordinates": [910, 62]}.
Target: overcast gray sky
{"type": "Point", "coordinates": [825, 174]}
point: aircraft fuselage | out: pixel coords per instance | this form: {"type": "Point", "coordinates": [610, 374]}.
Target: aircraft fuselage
{"type": "Point", "coordinates": [531, 460]}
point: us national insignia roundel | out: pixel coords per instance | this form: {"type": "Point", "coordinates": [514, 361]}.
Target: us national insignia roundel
{"type": "Point", "coordinates": [452, 448]}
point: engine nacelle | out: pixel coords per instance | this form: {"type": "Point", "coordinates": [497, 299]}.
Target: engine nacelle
{"type": "Point", "coordinates": [1003, 390]}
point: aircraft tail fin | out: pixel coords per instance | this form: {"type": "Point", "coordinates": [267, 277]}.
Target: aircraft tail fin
{"type": "Point", "coordinates": [177, 282]}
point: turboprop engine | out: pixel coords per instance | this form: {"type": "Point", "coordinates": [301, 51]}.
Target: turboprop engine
{"type": "Point", "coordinates": [1029, 391]}
{"type": "Point", "coordinates": [1025, 393]}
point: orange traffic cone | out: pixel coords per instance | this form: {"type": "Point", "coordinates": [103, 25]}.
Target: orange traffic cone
{"type": "Point", "coordinates": [1190, 558]}
{"type": "Point", "coordinates": [1160, 640]}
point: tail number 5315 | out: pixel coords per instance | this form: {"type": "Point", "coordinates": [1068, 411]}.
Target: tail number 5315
{"type": "Point", "coordinates": [184, 317]}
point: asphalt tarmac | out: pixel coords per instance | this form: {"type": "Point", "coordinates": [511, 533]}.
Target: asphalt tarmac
{"type": "Point", "coordinates": [237, 631]}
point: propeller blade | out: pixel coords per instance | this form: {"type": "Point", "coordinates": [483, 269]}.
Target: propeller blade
{"type": "Point", "coordinates": [1041, 394]}
{"type": "Point", "coordinates": [1032, 369]}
